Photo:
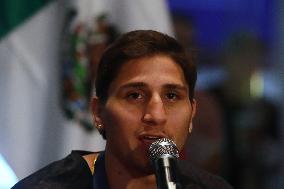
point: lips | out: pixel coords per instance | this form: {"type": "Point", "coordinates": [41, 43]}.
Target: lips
{"type": "Point", "coordinates": [148, 139]}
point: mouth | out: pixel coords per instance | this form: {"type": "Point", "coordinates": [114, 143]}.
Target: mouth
{"type": "Point", "coordinates": [148, 139]}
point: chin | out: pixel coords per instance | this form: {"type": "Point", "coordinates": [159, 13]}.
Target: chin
{"type": "Point", "coordinates": [144, 166]}
{"type": "Point", "coordinates": [138, 160]}
{"type": "Point", "coordinates": [146, 169]}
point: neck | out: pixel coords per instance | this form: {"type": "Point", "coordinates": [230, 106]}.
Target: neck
{"type": "Point", "coordinates": [121, 176]}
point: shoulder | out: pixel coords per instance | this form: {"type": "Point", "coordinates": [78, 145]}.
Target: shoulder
{"type": "Point", "coordinates": [196, 178]}
{"type": "Point", "coordinates": [71, 172]}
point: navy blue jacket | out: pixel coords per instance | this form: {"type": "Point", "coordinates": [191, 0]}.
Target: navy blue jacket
{"type": "Point", "coordinates": [73, 172]}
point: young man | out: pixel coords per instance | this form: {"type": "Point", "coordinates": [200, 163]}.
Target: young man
{"type": "Point", "coordinates": [144, 91]}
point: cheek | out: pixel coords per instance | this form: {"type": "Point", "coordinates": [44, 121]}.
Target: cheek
{"type": "Point", "coordinates": [118, 121]}
{"type": "Point", "coordinates": [181, 134]}
{"type": "Point", "coordinates": [179, 128]}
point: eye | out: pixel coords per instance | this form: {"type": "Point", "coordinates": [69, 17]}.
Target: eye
{"type": "Point", "coordinates": [135, 96]}
{"type": "Point", "coordinates": [172, 96]}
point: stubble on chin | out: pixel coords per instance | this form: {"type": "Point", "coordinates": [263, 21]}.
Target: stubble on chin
{"type": "Point", "coordinates": [140, 163]}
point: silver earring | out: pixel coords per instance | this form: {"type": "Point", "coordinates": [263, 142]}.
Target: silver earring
{"type": "Point", "coordinates": [99, 127]}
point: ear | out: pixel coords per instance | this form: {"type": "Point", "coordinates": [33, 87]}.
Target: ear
{"type": "Point", "coordinates": [193, 107]}
{"type": "Point", "coordinates": [96, 111]}
{"type": "Point", "coordinates": [193, 111]}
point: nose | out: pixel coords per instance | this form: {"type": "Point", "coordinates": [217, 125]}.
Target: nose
{"type": "Point", "coordinates": [155, 113]}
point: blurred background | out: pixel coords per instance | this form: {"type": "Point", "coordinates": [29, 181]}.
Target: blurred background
{"type": "Point", "coordinates": [49, 50]}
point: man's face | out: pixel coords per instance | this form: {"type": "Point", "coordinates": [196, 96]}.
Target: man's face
{"type": "Point", "coordinates": [148, 100]}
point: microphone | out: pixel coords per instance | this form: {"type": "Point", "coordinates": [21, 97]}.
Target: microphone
{"type": "Point", "coordinates": [163, 155]}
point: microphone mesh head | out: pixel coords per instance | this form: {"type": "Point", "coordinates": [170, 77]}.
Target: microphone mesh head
{"type": "Point", "coordinates": [161, 147]}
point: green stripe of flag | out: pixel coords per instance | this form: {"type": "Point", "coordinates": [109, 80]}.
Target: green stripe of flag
{"type": "Point", "coordinates": [14, 12]}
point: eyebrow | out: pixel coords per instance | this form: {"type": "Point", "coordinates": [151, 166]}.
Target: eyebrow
{"type": "Point", "coordinates": [134, 85]}
{"type": "Point", "coordinates": [176, 86]}
{"type": "Point", "coordinates": [166, 86]}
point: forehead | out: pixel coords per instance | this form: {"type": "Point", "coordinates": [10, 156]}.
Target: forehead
{"type": "Point", "coordinates": [154, 71]}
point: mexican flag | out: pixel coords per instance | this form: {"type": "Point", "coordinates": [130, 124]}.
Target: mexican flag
{"type": "Point", "coordinates": [34, 130]}
{"type": "Point", "coordinates": [15, 12]}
